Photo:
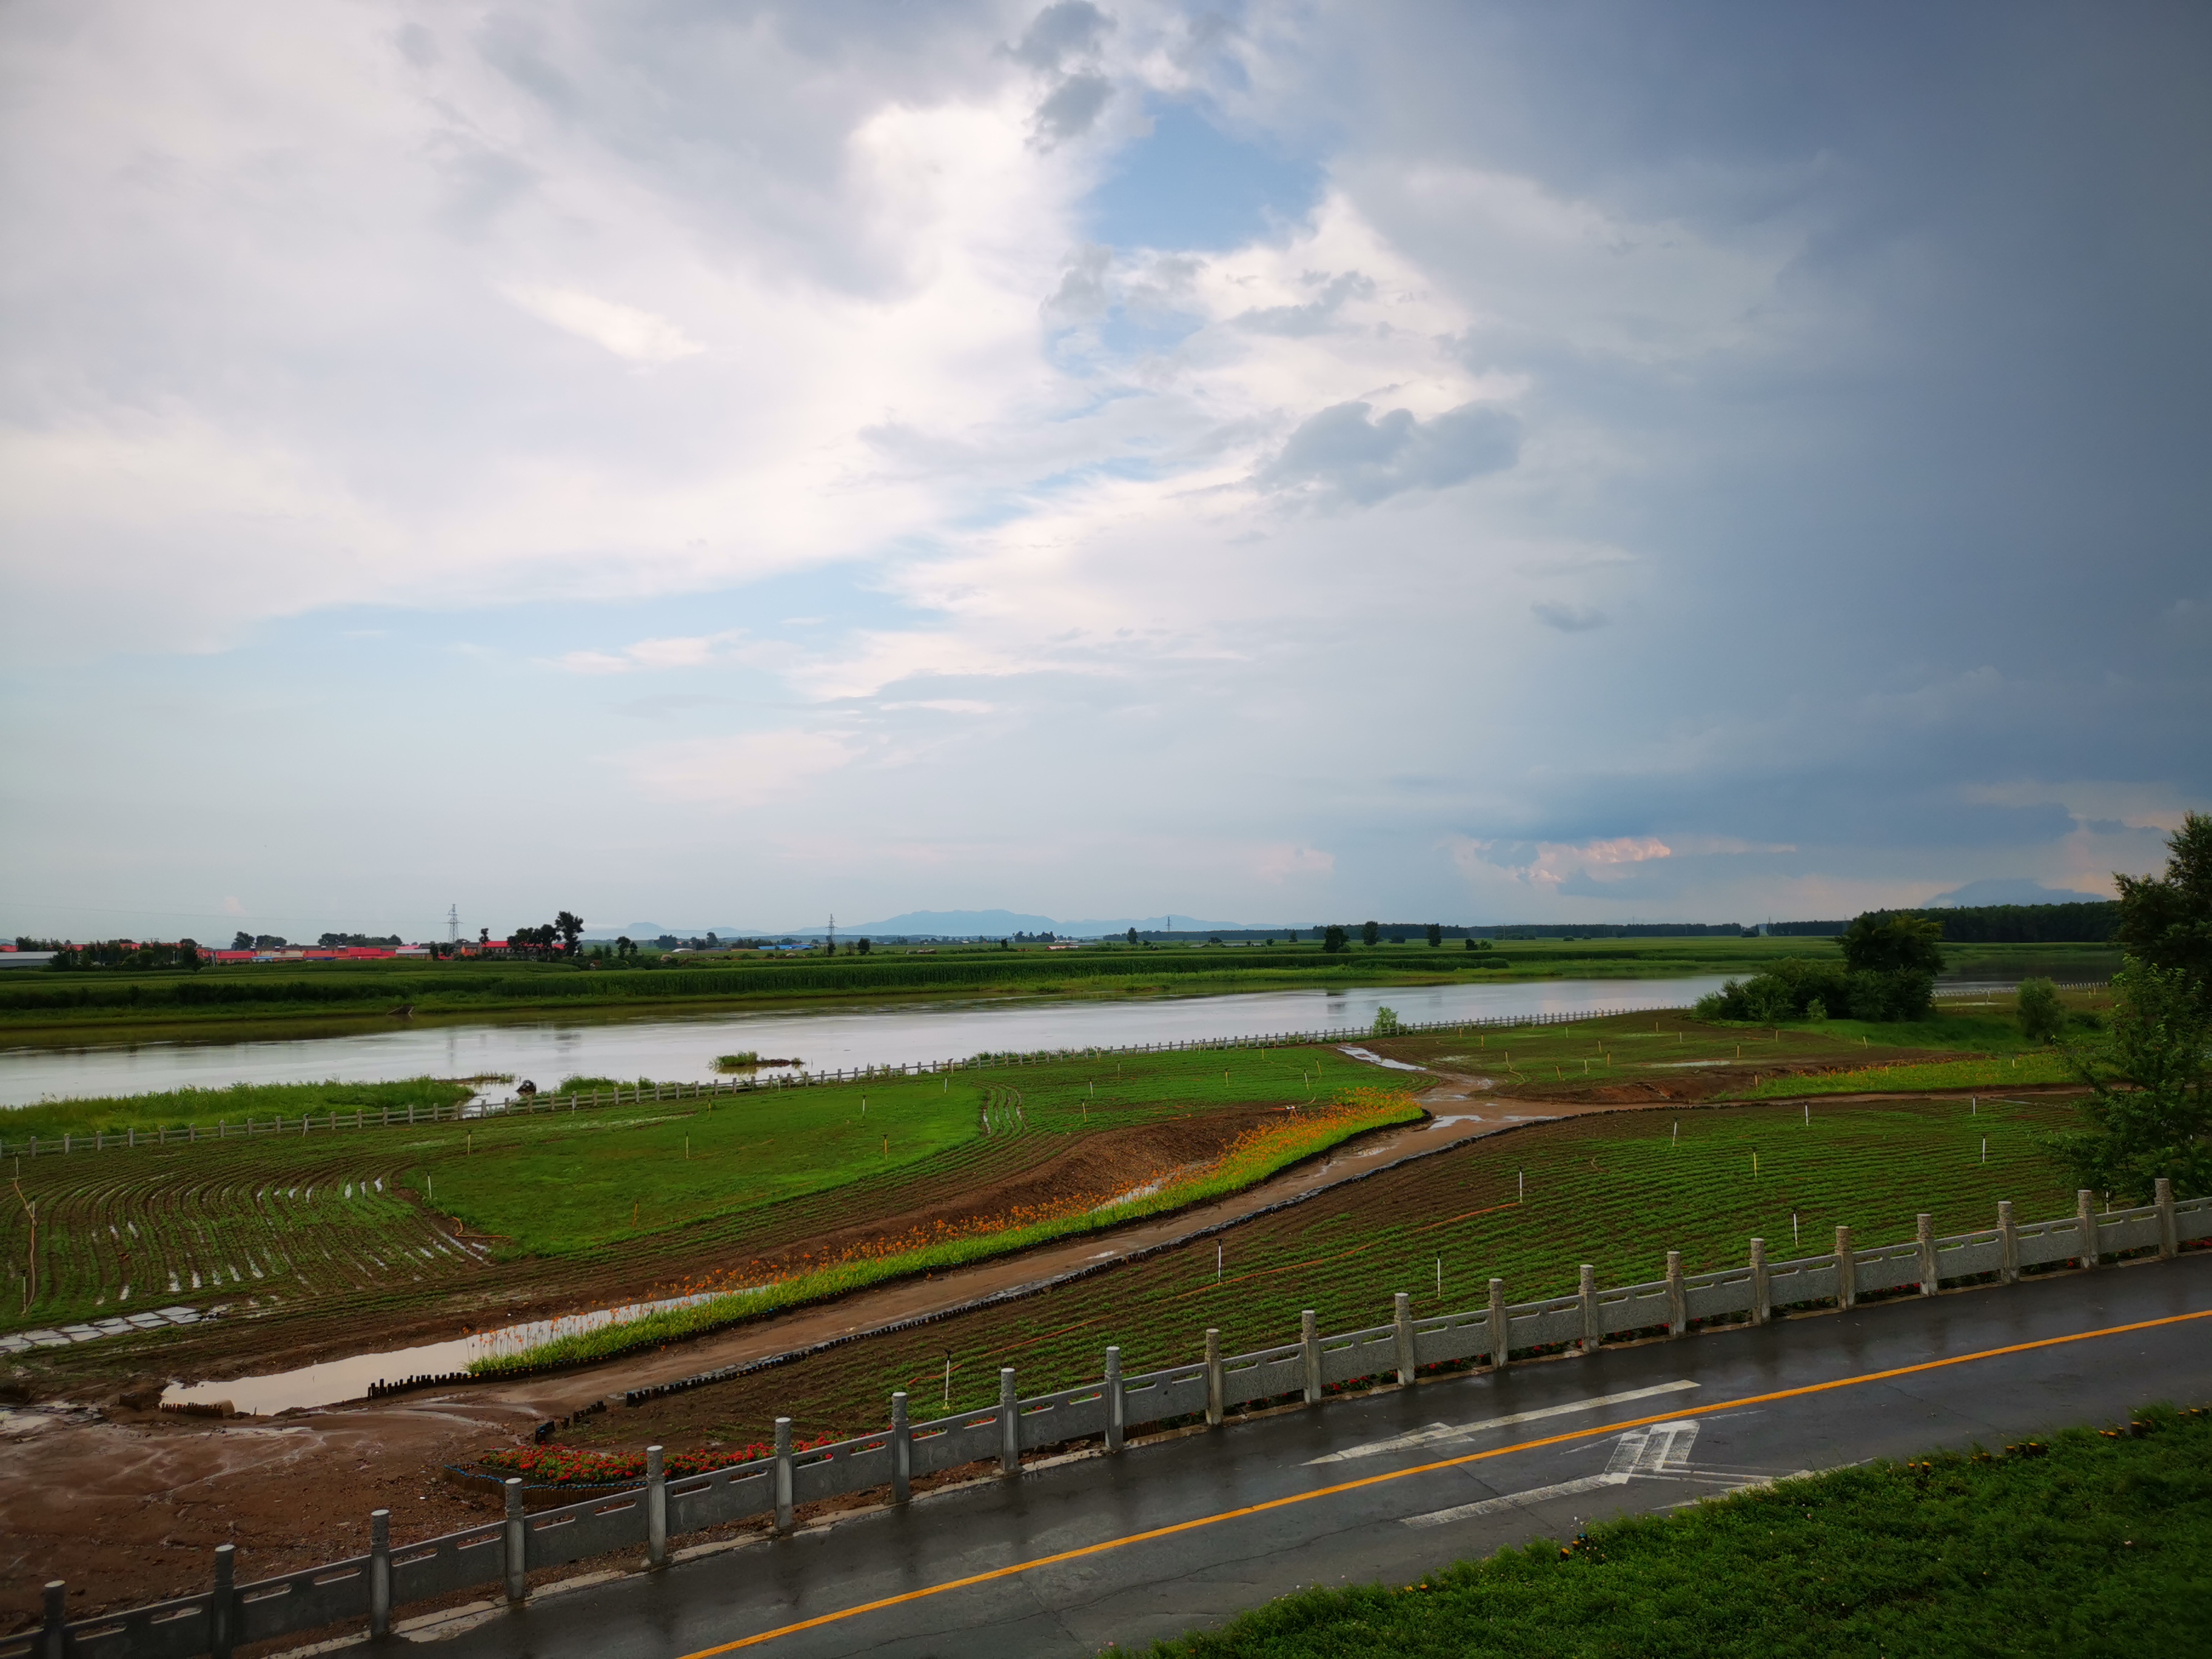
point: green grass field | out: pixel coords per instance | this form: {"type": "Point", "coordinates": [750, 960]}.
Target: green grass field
{"type": "Point", "coordinates": [207, 1108]}
{"type": "Point", "coordinates": [2087, 1544]}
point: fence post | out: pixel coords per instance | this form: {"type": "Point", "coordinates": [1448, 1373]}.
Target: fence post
{"type": "Point", "coordinates": [517, 1545]}
{"type": "Point", "coordinates": [2085, 1212]}
{"type": "Point", "coordinates": [2007, 1244]}
{"type": "Point", "coordinates": [656, 1507]}
{"type": "Point", "coordinates": [1010, 1423]}
{"type": "Point", "coordinates": [1310, 1355]}
{"type": "Point", "coordinates": [1761, 1305]}
{"type": "Point", "coordinates": [222, 1606]}
{"type": "Point", "coordinates": [1501, 1334]}
{"type": "Point", "coordinates": [379, 1574]}
{"type": "Point", "coordinates": [56, 1626]}
{"type": "Point", "coordinates": [2169, 1230]}
{"type": "Point", "coordinates": [902, 1450]}
{"type": "Point", "coordinates": [1215, 1383]}
{"type": "Point", "coordinates": [1591, 1336]}
{"type": "Point", "coordinates": [1925, 1232]}
{"type": "Point", "coordinates": [1847, 1271]}
{"type": "Point", "coordinates": [1677, 1296]}
{"type": "Point", "coordinates": [783, 1474]}
{"type": "Point", "coordinates": [1401, 1320]}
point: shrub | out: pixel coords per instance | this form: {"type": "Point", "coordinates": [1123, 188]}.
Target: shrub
{"type": "Point", "coordinates": [2042, 1016]}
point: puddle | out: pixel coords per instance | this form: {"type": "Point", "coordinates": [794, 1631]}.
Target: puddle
{"type": "Point", "coordinates": [334, 1381]}
{"type": "Point", "coordinates": [1358, 1053]}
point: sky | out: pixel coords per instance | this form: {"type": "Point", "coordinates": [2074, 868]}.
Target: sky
{"type": "Point", "coordinates": [746, 462]}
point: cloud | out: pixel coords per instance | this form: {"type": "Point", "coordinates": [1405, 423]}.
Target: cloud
{"type": "Point", "coordinates": [1069, 29]}
{"type": "Point", "coordinates": [1343, 453]}
{"type": "Point", "coordinates": [1281, 862]}
{"type": "Point", "coordinates": [1568, 619]}
{"type": "Point", "coordinates": [638, 335]}
{"type": "Point", "coordinates": [751, 768]}
{"type": "Point", "coordinates": [1073, 108]}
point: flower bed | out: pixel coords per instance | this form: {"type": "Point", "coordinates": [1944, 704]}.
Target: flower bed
{"type": "Point", "coordinates": [566, 1465]}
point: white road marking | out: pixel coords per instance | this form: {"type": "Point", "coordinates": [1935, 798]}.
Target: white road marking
{"type": "Point", "coordinates": [1436, 1432]}
{"type": "Point", "coordinates": [1662, 1451]}
{"type": "Point", "coordinates": [1518, 1500]}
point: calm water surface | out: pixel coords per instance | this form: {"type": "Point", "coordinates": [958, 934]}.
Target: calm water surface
{"type": "Point", "coordinates": [683, 1048]}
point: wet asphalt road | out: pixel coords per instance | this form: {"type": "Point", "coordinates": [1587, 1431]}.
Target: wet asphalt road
{"type": "Point", "coordinates": [1702, 1430]}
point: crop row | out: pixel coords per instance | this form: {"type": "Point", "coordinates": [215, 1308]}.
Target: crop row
{"type": "Point", "coordinates": [1615, 1191]}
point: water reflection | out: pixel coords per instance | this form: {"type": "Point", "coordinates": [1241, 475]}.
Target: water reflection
{"type": "Point", "coordinates": [683, 1048]}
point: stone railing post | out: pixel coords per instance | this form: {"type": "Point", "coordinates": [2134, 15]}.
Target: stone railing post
{"type": "Point", "coordinates": [902, 1450]}
{"type": "Point", "coordinates": [1310, 1341]}
{"type": "Point", "coordinates": [1402, 1324]}
{"type": "Point", "coordinates": [1117, 1403]}
{"type": "Point", "coordinates": [2007, 1244]}
{"type": "Point", "coordinates": [54, 1641]}
{"type": "Point", "coordinates": [1588, 1289]}
{"type": "Point", "coordinates": [1677, 1296]}
{"type": "Point", "coordinates": [1010, 1423]}
{"type": "Point", "coordinates": [783, 1475]}
{"type": "Point", "coordinates": [1214, 1382]}
{"type": "Point", "coordinates": [1847, 1271]}
{"type": "Point", "coordinates": [2085, 1216]}
{"type": "Point", "coordinates": [223, 1606]}
{"type": "Point", "coordinates": [515, 1544]}
{"type": "Point", "coordinates": [1761, 1308]}
{"type": "Point", "coordinates": [2169, 1226]}
{"type": "Point", "coordinates": [656, 1507]}
{"type": "Point", "coordinates": [1925, 1231]}
{"type": "Point", "coordinates": [379, 1574]}
{"type": "Point", "coordinates": [1500, 1328]}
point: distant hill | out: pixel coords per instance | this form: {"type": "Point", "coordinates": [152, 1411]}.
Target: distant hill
{"type": "Point", "coordinates": [2013, 890]}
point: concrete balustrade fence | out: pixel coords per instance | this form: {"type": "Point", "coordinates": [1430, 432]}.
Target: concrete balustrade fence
{"type": "Point", "coordinates": [505, 1551]}
{"type": "Point", "coordinates": [386, 1117]}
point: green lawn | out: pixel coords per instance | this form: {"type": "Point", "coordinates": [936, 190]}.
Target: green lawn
{"type": "Point", "coordinates": [2091, 1544]}
{"type": "Point", "coordinates": [174, 1109]}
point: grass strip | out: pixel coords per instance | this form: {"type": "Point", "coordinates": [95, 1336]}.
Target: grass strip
{"type": "Point", "coordinates": [1253, 1158]}
{"type": "Point", "coordinates": [2094, 1541]}
{"type": "Point", "coordinates": [2035, 1067]}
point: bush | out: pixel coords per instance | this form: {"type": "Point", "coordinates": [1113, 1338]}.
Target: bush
{"type": "Point", "coordinates": [2042, 1016]}
{"type": "Point", "coordinates": [1793, 987]}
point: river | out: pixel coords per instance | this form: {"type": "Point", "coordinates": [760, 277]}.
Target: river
{"type": "Point", "coordinates": [682, 1048]}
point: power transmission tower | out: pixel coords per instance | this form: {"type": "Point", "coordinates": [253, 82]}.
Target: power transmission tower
{"type": "Point", "coordinates": [452, 924]}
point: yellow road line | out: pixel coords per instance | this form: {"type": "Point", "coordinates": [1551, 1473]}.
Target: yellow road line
{"type": "Point", "coordinates": [1670, 1416]}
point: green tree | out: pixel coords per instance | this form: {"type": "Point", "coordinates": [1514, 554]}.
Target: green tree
{"type": "Point", "coordinates": [1386, 1022]}
{"type": "Point", "coordinates": [2150, 1110]}
{"type": "Point", "coordinates": [2042, 1016]}
{"type": "Point", "coordinates": [570, 927]}
{"type": "Point", "coordinates": [1901, 942]}
{"type": "Point", "coordinates": [241, 941]}
{"type": "Point", "coordinates": [2165, 922]}
{"type": "Point", "coordinates": [1132, 936]}
{"type": "Point", "coordinates": [860, 946]}
{"type": "Point", "coordinates": [1370, 932]}
{"type": "Point", "coordinates": [1436, 934]}
{"type": "Point", "coordinates": [1333, 940]}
